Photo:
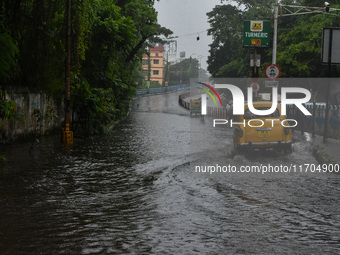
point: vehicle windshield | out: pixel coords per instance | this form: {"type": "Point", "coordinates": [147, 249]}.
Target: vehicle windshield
{"type": "Point", "coordinates": [249, 115]}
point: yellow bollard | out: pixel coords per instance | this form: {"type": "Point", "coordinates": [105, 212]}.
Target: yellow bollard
{"type": "Point", "coordinates": [67, 135]}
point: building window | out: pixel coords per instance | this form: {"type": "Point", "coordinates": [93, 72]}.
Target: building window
{"type": "Point", "coordinates": [145, 73]}
{"type": "Point", "coordinates": [155, 72]}
{"type": "Point", "coordinates": [156, 61]}
{"type": "Point", "coordinates": [145, 62]}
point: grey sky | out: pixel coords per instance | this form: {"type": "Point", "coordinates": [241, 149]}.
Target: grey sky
{"type": "Point", "coordinates": [187, 18]}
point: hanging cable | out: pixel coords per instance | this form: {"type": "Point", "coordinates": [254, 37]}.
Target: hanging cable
{"type": "Point", "coordinates": [197, 33]}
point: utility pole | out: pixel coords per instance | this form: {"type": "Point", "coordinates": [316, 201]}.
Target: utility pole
{"type": "Point", "coordinates": [325, 131]}
{"type": "Point", "coordinates": [276, 17]}
{"type": "Point", "coordinates": [67, 134]}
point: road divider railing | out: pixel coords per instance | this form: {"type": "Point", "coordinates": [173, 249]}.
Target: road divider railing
{"type": "Point", "coordinates": [215, 112]}
{"type": "Point", "coordinates": [162, 89]}
{"type": "Point", "coordinates": [182, 102]}
{"type": "Point", "coordinates": [316, 122]}
{"type": "Point", "coordinates": [218, 112]}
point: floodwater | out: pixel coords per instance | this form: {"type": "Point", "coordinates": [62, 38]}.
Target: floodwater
{"type": "Point", "coordinates": [135, 191]}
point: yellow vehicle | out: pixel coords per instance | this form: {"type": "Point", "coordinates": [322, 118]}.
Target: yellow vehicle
{"type": "Point", "coordinates": [262, 132]}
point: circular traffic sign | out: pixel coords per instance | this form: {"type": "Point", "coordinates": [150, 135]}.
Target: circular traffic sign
{"type": "Point", "coordinates": [272, 72]}
{"type": "Point", "coordinates": [255, 86]}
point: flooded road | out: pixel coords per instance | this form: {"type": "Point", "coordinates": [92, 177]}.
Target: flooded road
{"type": "Point", "coordinates": [135, 191]}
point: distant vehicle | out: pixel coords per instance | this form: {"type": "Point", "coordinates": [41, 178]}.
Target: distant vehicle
{"type": "Point", "coordinates": [195, 106]}
{"type": "Point", "coordinates": [264, 132]}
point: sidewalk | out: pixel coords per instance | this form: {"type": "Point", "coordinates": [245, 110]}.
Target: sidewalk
{"type": "Point", "coordinates": [325, 153]}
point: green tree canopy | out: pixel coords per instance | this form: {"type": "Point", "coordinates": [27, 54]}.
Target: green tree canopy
{"type": "Point", "coordinates": [183, 71]}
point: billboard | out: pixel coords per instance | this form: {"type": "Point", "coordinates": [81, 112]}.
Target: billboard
{"type": "Point", "coordinates": [256, 33]}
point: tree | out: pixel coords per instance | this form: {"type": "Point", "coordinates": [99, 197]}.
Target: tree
{"type": "Point", "coordinates": [183, 71]}
{"type": "Point", "coordinates": [226, 29]}
{"type": "Point", "coordinates": [299, 49]}
{"type": "Point", "coordinates": [8, 59]}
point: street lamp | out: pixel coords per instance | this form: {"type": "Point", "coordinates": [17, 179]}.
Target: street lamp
{"type": "Point", "coordinates": [327, 6]}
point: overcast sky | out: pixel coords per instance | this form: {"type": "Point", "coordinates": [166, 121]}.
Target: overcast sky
{"type": "Point", "coordinates": [188, 19]}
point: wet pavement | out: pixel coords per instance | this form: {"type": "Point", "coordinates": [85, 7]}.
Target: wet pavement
{"type": "Point", "coordinates": [135, 191]}
{"type": "Point", "coordinates": [325, 152]}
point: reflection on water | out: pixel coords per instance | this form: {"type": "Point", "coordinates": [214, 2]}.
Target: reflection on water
{"type": "Point", "coordinates": [132, 192]}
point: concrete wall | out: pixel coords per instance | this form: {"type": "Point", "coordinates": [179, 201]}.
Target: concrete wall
{"type": "Point", "coordinates": [38, 114]}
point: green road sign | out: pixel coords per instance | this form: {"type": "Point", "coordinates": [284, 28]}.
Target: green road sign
{"type": "Point", "coordinates": [256, 33]}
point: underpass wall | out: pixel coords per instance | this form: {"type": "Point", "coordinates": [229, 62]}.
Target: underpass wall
{"type": "Point", "coordinates": [37, 113]}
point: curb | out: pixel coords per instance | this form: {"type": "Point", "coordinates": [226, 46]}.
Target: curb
{"type": "Point", "coordinates": [321, 156]}
{"type": "Point", "coordinates": [318, 149]}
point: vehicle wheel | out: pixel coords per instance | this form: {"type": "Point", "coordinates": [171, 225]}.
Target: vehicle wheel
{"type": "Point", "coordinates": [238, 149]}
{"type": "Point", "coordinates": [235, 148]}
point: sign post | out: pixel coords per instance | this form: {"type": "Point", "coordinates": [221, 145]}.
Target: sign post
{"type": "Point", "coordinates": [272, 72]}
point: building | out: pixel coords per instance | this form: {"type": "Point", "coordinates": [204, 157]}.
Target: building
{"type": "Point", "coordinates": [156, 64]}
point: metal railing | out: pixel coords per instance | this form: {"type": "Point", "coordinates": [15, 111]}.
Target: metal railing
{"type": "Point", "coordinates": [162, 89]}
{"type": "Point", "coordinates": [216, 112]}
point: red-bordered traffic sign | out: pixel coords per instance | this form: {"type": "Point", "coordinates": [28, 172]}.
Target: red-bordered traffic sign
{"type": "Point", "coordinates": [255, 86]}
{"type": "Point", "coordinates": [272, 72]}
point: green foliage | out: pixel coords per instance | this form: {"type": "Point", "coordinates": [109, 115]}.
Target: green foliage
{"type": "Point", "coordinates": [2, 158]}
{"type": "Point", "coordinates": [155, 84]}
{"type": "Point", "coordinates": [8, 59]}
{"type": "Point", "coordinates": [183, 71]}
{"type": "Point", "coordinates": [299, 49]}
{"type": "Point", "coordinates": [98, 104]}
{"type": "Point", "coordinates": [7, 108]}
{"type": "Point", "coordinates": [226, 51]}
{"type": "Point", "coordinates": [111, 40]}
